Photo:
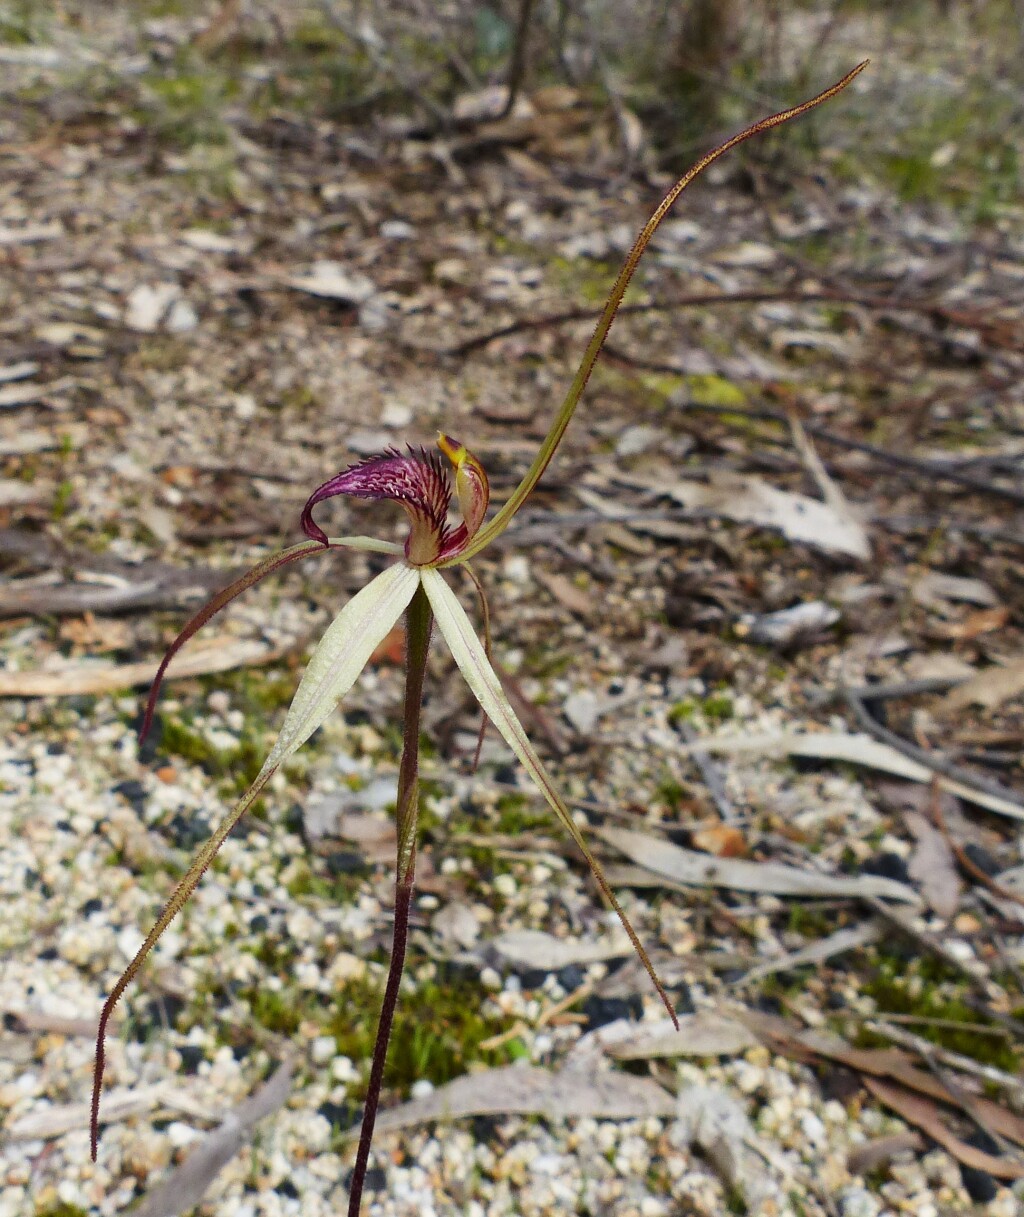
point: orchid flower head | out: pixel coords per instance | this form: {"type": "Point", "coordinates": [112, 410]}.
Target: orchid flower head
{"type": "Point", "coordinates": [419, 481]}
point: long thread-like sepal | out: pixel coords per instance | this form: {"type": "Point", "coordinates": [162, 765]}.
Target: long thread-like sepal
{"type": "Point", "coordinates": [554, 437]}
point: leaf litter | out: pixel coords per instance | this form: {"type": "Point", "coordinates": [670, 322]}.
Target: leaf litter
{"type": "Point", "coordinates": [647, 593]}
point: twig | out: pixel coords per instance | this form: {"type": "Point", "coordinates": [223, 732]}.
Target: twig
{"type": "Point", "coordinates": [517, 67]}
{"type": "Point", "coordinates": [964, 860]}
{"type": "Point", "coordinates": [895, 691]}
{"type": "Point", "coordinates": [965, 1100]}
{"type": "Point", "coordinates": [930, 468]}
{"type": "Point", "coordinates": [932, 309]}
{"type": "Point", "coordinates": [925, 1020]}
{"type": "Point", "coordinates": [979, 999]}
{"type": "Point", "coordinates": [710, 772]}
{"type": "Point", "coordinates": [911, 523]}
{"type": "Point", "coordinates": [966, 1064]}
{"type": "Point", "coordinates": [906, 688]}
{"type": "Point", "coordinates": [938, 764]}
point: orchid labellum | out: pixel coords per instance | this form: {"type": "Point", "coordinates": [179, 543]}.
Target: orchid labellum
{"type": "Point", "coordinates": [424, 484]}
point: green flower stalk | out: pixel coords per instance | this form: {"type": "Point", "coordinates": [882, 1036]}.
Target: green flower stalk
{"type": "Point", "coordinates": [414, 585]}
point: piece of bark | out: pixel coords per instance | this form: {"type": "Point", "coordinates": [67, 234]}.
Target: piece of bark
{"type": "Point", "coordinates": [216, 654]}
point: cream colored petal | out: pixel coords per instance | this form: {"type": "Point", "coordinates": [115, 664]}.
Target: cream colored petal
{"type": "Point", "coordinates": [342, 653]}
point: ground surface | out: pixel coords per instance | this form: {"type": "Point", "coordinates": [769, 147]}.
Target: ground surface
{"type": "Point", "coordinates": [218, 289]}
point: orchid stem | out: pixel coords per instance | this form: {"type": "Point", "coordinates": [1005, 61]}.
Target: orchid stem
{"type": "Point", "coordinates": [419, 621]}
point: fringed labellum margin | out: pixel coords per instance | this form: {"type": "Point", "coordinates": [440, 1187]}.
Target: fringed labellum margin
{"type": "Point", "coordinates": [418, 481]}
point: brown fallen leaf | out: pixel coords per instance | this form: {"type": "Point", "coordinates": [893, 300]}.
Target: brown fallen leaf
{"type": "Point", "coordinates": [722, 840]}
{"type": "Point", "coordinates": [879, 1063]}
{"type": "Point", "coordinates": [565, 592]}
{"type": "Point", "coordinates": [989, 688]}
{"type": "Point", "coordinates": [217, 654]}
{"type": "Point", "coordinates": [924, 1114]}
{"type": "Point", "coordinates": [391, 650]}
{"type": "Point", "coordinates": [90, 633]}
{"type": "Point", "coordinates": [984, 621]}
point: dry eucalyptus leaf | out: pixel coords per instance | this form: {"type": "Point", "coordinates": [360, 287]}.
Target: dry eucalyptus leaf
{"type": "Point", "coordinates": [701, 870]}
{"type": "Point", "coordinates": [927, 1115]}
{"type": "Point", "coordinates": [750, 500]}
{"type": "Point", "coordinates": [882, 1063]}
{"type": "Point", "coordinates": [856, 749]}
{"type": "Point", "coordinates": [332, 281]}
{"type": "Point", "coordinates": [574, 598]}
{"type": "Point", "coordinates": [714, 1120]}
{"type": "Point", "coordinates": [703, 1034]}
{"type": "Point", "coordinates": [88, 676]}
{"type": "Point", "coordinates": [535, 949]}
{"type": "Point", "coordinates": [118, 1105]}
{"type": "Point", "coordinates": [23, 394]}
{"type": "Point", "coordinates": [569, 1094]}
{"type": "Point", "coordinates": [936, 587]}
{"type": "Point", "coordinates": [932, 866]}
{"type": "Point", "coordinates": [188, 1182]}
{"type": "Point", "coordinates": [989, 688]}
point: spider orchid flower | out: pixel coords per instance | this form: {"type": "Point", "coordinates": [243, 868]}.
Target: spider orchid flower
{"type": "Point", "coordinates": [415, 585]}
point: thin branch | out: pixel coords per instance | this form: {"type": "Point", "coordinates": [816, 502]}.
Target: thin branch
{"type": "Point", "coordinates": [964, 860]}
{"type": "Point", "coordinates": [946, 471]}
{"type": "Point", "coordinates": [884, 1025]}
{"type": "Point", "coordinates": [517, 67]}
{"type": "Point", "coordinates": [930, 308]}
{"type": "Point", "coordinates": [933, 761]}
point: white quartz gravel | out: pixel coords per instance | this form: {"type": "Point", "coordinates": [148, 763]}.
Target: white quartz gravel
{"type": "Point", "coordinates": [82, 874]}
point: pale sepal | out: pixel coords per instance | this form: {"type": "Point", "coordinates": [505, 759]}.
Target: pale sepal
{"type": "Point", "coordinates": [469, 653]}
{"type": "Point", "coordinates": [501, 520]}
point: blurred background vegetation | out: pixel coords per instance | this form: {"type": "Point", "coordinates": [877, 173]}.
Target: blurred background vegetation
{"type": "Point", "coordinates": [943, 103]}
